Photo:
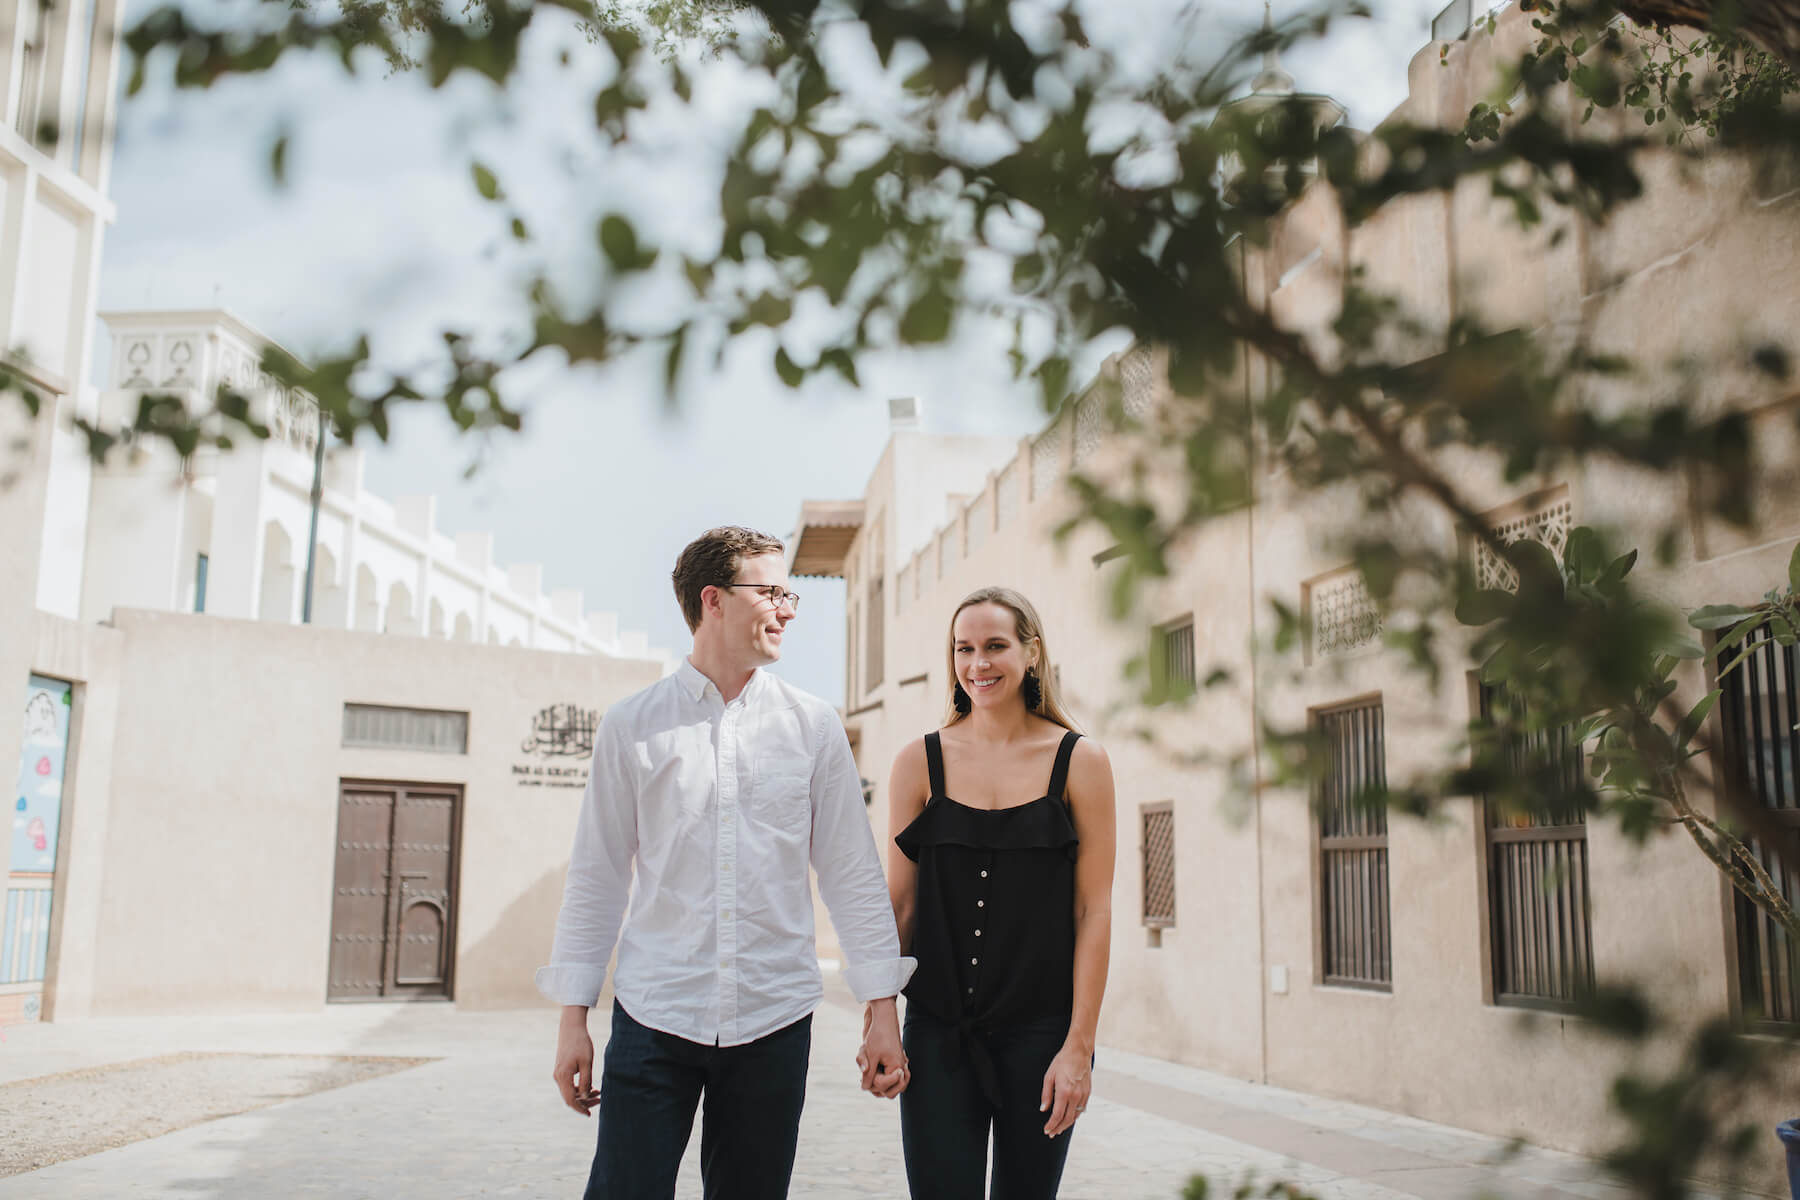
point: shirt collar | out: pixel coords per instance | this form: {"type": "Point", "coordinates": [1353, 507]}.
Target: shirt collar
{"type": "Point", "coordinates": [694, 684]}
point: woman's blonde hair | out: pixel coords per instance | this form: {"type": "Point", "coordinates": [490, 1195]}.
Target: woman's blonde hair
{"type": "Point", "coordinates": [1029, 630]}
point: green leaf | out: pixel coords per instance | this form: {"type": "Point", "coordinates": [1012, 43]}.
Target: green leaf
{"type": "Point", "coordinates": [790, 371]}
{"type": "Point", "coordinates": [1584, 555]}
{"type": "Point", "coordinates": [843, 362]}
{"type": "Point", "coordinates": [278, 161]}
{"type": "Point", "coordinates": [1738, 633]}
{"type": "Point", "coordinates": [672, 365]}
{"type": "Point", "coordinates": [485, 182]}
{"type": "Point", "coordinates": [1717, 616]}
{"type": "Point", "coordinates": [1681, 647]}
{"type": "Point", "coordinates": [519, 231]}
{"type": "Point", "coordinates": [1484, 607]}
{"type": "Point", "coordinates": [1618, 569]}
{"type": "Point", "coordinates": [1535, 561]}
{"type": "Point", "coordinates": [1690, 724]}
{"type": "Point", "coordinates": [928, 320]}
{"type": "Point", "coordinates": [619, 241]}
{"type": "Point", "coordinates": [1794, 571]}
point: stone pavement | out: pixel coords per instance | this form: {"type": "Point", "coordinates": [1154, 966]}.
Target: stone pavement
{"type": "Point", "coordinates": [484, 1120]}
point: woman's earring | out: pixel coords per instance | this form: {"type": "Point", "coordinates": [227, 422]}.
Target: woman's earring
{"type": "Point", "coordinates": [1033, 689]}
{"type": "Point", "coordinates": [961, 699]}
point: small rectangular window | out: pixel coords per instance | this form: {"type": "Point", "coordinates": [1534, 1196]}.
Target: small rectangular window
{"type": "Point", "coordinates": [1159, 865]}
{"type": "Point", "coordinates": [1540, 927]}
{"type": "Point", "coordinates": [873, 656]}
{"type": "Point", "coordinates": [1173, 672]}
{"type": "Point", "coordinates": [1355, 940]}
{"type": "Point", "coordinates": [33, 38]}
{"type": "Point", "coordinates": [377, 726]}
{"type": "Point", "coordinates": [1760, 717]}
{"type": "Point", "coordinates": [200, 583]}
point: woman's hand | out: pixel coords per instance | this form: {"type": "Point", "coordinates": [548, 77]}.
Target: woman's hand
{"type": "Point", "coordinates": [1067, 1085]}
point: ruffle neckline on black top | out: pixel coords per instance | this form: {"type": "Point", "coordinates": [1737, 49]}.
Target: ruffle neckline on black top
{"type": "Point", "coordinates": [1043, 824]}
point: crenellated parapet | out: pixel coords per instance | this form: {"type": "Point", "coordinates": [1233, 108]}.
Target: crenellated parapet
{"type": "Point", "coordinates": [237, 523]}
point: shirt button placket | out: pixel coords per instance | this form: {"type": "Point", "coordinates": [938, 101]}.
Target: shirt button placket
{"type": "Point", "coordinates": [983, 887]}
{"type": "Point", "coordinates": [726, 890]}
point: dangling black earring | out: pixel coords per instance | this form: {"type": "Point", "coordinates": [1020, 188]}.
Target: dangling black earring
{"type": "Point", "coordinates": [960, 698]}
{"type": "Point", "coordinates": [1033, 690]}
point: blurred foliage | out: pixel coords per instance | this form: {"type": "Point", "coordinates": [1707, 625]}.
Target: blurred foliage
{"type": "Point", "coordinates": [1028, 173]}
{"type": "Point", "coordinates": [1574, 648]}
{"type": "Point", "coordinates": [1680, 81]}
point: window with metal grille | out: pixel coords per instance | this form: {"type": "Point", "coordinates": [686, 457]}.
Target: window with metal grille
{"type": "Point", "coordinates": [1355, 935]}
{"type": "Point", "coordinates": [1159, 865]}
{"type": "Point", "coordinates": [1759, 713]}
{"type": "Point", "coordinates": [1174, 652]}
{"type": "Point", "coordinates": [377, 726]}
{"type": "Point", "coordinates": [873, 630]}
{"type": "Point", "coordinates": [1540, 928]}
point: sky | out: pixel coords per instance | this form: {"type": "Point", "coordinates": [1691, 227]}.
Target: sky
{"type": "Point", "coordinates": [380, 231]}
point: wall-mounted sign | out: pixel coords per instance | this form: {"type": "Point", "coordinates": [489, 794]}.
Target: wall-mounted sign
{"type": "Point", "coordinates": [561, 740]}
{"type": "Point", "coordinates": [37, 801]}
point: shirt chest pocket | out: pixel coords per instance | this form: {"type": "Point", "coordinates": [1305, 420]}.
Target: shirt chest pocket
{"type": "Point", "coordinates": [781, 790]}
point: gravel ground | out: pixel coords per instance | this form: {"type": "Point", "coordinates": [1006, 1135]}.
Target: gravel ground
{"type": "Point", "coordinates": [76, 1113]}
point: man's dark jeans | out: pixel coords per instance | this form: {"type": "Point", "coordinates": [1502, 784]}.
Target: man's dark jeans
{"type": "Point", "coordinates": [651, 1084]}
{"type": "Point", "coordinates": [945, 1116]}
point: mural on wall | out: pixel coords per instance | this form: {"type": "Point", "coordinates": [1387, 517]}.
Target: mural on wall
{"type": "Point", "coordinates": [37, 803]}
{"type": "Point", "coordinates": [559, 731]}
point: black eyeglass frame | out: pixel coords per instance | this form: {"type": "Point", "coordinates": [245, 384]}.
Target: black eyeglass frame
{"type": "Point", "coordinates": [768, 590]}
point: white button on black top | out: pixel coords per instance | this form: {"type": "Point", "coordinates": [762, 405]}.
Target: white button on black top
{"type": "Point", "coordinates": [974, 961]}
{"type": "Point", "coordinates": [984, 874]}
{"type": "Point", "coordinates": [981, 904]}
{"type": "Point", "coordinates": [978, 933]}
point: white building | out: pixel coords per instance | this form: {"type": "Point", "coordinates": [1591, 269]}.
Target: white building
{"type": "Point", "coordinates": [226, 532]}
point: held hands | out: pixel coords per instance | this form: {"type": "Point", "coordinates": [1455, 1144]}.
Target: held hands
{"type": "Point", "coordinates": [1067, 1085]}
{"type": "Point", "coordinates": [880, 1059]}
{"type": "Point", "coordinates": [574, 1073]}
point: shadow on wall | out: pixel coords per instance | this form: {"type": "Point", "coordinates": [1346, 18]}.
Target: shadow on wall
{"type": "Point", "coordinates": [496, 970]}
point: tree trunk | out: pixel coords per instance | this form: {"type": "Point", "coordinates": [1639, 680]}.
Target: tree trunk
{"type": "Point", "coordinates": [1772, 24]}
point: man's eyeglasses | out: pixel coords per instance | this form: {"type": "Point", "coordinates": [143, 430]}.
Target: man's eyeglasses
{"type": "Point", "coordinates": [774, 593]}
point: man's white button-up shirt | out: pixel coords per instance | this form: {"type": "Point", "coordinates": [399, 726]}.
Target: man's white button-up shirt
{"type": "Point", "coordinates": [720, 808]}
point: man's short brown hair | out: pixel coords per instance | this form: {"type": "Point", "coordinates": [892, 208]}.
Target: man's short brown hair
{"type": "Point", "coordinates": [712, 560]}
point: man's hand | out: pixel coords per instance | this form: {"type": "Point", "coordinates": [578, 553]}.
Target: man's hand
{"type": "Point", "coordinates": [881, 1060]}
{"type": "Point", "coordinates": [574, 1072]}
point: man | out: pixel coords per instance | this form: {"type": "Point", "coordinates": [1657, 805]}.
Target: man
{"type": "Point", "coordinates": [718, 784]}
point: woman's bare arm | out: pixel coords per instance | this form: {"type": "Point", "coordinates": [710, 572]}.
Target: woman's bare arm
{"type": "Point", "coordinates": [909, 788]}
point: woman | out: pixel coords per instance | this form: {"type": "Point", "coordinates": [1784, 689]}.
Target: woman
{"type": "Point", "coordinates": [1004, 895]}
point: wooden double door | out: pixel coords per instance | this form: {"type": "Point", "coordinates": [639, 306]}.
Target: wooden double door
{"type": "Point", "coordinates": [393, 908]}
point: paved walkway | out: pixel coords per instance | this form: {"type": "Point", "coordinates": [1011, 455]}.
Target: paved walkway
{"type": "Point", "coordinates": [483, 1120]}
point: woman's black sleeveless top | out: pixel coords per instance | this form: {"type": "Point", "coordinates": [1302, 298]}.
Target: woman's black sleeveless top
{"type": "Point", "coordinates": [994, 918]}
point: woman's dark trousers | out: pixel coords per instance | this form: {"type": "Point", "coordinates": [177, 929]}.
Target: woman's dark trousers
{"type": "Point", "coordinates": [945, 1118]}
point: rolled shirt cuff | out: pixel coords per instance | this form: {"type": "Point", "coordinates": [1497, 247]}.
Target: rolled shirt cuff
{"type": "Point", "coordinates": [878, 980]}
{"type": "Point", "coordinates": [568, 983]}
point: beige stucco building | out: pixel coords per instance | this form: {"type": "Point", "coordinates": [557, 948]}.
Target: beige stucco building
{"type": "Point", "coordinates": [1394, 962]}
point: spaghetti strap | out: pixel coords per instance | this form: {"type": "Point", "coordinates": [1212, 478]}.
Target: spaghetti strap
{"type": "Point", "coordinates": [934, 762]}
{"type": "Point", "coordinates": [1059, 775]}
